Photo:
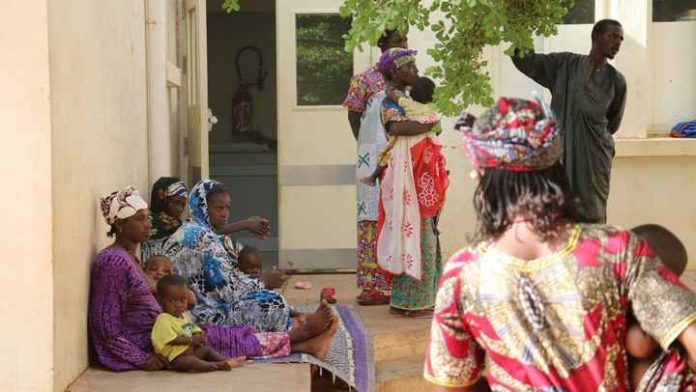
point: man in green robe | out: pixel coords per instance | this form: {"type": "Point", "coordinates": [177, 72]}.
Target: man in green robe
{"type": "Point", "coordinates": [588, 99]}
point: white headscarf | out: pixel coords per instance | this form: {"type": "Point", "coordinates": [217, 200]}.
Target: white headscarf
{"type": "Point", "coordinates": [121, 204]}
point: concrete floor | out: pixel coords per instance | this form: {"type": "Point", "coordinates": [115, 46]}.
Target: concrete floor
{"type": "Point", "coordinates": [398, 345]}
{"type": "Point", "coordinates": [253, 377]}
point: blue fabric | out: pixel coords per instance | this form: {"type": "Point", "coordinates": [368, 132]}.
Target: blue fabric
{"type": "Point", "coordinates": [684, 129]}
{"type": "Point", "coordinates": [226, 295]}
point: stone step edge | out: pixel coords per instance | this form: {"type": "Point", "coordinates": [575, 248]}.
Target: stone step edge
{"type": "Point", "coordinates": [399, 368]}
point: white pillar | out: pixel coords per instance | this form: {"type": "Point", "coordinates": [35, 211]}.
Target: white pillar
{"type": "Point", "coordinates": [159, 154]}
{"type": "Point", "coordinates": [633, 61]}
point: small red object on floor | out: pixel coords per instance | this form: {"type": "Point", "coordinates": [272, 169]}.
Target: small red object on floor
{"type": "Point", "coordinates": [303, 285]}
{"type": "Point", "coordinates": [328, 294]}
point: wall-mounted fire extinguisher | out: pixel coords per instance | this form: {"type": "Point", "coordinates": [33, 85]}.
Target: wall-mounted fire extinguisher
{"type": "Point", "coordinates": [242, 102]}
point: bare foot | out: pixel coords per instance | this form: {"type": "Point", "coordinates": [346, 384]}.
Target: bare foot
{"type": "Point", "coordinates": [224, 365]}
{"type": "Point", "coordinates": [236, 362]}
{"type": "Point", "coordinates": [371, 181]}
{"type": "Point", "coordinates": [319, 345]}
{"type": "Point", "coordinates": [315, 324]}
{"type": "Point", "coordinates": [300, 319]}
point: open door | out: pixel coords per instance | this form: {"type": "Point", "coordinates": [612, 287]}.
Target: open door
{"type": "Point", "coordinates": [316, 150]}
{"type": "Point", "coordinates": [196, 91]}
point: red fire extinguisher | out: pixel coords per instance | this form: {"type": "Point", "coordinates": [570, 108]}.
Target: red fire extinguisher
{"type": "Point", "coordinates": [242, 102]}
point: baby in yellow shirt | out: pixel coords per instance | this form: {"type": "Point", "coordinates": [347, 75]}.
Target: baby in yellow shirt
{"type": "Point", "coordinates": [176, 337]}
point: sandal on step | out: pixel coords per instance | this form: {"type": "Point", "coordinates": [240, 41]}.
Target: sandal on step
{"type": "Point", "coordinates": [372, 298]}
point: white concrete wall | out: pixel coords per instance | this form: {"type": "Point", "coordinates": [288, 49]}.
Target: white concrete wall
{"type": "Point", "coordinates": [656, 190]}
{"type": "Point", "coordinates": [99, 118]}
{"type": "Point", "coordinates": [26, 281]}
{"type": "Point", "coordinates": [673, 73]}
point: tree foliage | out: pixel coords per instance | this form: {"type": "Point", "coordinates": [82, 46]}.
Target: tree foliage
{"type": "Point", "coordinates": [462, 29]}
{"type": "Point", "coordinates": [230, 5]}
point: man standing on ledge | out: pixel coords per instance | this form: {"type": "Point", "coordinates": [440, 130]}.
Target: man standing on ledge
{"type": "Point", "coordinates": [588, 99]}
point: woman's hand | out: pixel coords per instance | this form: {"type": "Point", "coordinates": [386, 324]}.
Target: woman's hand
{"type": "Point", "coordinates": [259, 226]}
{"type": "Point", "coordinates": [154, 362]}
{"type": "Point", "coordinates": [407, 128]}
{"type": "Point", "coordinates": [273, 279]}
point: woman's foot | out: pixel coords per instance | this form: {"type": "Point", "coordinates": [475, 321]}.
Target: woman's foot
{"type": "Point", "coordinates": [372, 297]}
{"type": "Point", "coordinates": [318, 346]}
{"type": "Point", "coordinates": [315, 323]}
{"type": "Point", "coordinates": [236, 362]}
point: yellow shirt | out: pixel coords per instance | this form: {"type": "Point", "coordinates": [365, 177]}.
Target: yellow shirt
{"type": "Point", "coordinates": [168, 328]}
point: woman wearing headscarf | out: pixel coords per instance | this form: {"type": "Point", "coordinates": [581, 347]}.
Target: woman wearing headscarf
{"type": "Point", "coordinates": [123, 309]}
{"type": "Point", "coordinates": [541, 300]}
{"type": "Point", "coordinates": [363, 101]}
{"type": "Point", "coordinates": [227, 296]}
{"type": "Point", "coordinates": [167, 204]}
{"type": "Point", "coordinates": [412, 193]}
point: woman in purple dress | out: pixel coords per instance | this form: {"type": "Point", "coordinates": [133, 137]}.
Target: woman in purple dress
{"type": "Point", "coordinates": [123, 309]}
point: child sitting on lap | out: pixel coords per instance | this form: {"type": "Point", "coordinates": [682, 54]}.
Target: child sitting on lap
{"type": "Point", "coordinates": [643, 350]}
{"type": "Point", "coordinates": [250, 261]}
{"type": "Point", "coordinates": [417, 108]}
{"type": "Point", "coordinates": [176, 337]}
{"type": "Point", "coordinates": [157, 267]}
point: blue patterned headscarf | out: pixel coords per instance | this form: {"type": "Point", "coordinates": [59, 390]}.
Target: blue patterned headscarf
{"type": "Point", "coordinates": [198, 201]}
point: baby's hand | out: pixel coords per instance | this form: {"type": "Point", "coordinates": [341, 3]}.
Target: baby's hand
{"type": "Point", "coordinates": [199, 339]}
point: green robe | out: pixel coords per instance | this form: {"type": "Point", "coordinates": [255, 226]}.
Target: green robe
{"type": "Point", "coordinates": [588, 105]}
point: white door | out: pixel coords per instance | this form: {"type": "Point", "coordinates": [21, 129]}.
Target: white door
{"type": "Point", "coordinates": [196, 90]}
{"type": "Point", "coordinates": [316, 150]}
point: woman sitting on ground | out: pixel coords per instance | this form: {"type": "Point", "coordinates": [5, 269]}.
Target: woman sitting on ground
{"type": "Point", "coordinates": [541, 301]}
{"type": "Point", "coordinates": [167, 204]}
{"type": "Point", "coordinates": [123, 309]}
{"type": "Point", "coordinates": [226, 295]}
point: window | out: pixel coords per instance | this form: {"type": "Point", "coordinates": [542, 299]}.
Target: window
{"type": "Point", "coordinates": [583, 12]}
{"type": "Point", "coordinates": [324, 68]}
{"type": "Point", "coordinates": [674, 10]}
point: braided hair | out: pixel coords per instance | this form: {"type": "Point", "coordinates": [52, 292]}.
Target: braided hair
{"type": "Point", "coordinates": [541, 197]}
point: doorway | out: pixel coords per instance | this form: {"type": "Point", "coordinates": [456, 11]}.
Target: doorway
{"type": "Point", "coordinates": [242, 96]}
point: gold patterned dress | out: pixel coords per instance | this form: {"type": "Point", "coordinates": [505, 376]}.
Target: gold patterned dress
{"type": "Point", "coordinates": [557, 323]}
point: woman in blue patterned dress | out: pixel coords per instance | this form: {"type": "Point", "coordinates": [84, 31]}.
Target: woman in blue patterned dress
{"type": "Point", "coordinates": [227, 296]}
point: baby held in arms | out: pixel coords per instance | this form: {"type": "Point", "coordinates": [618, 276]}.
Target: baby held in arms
{"type": "Point", "coordinates": [643, 350]}
{"type": "Point", "coordinates": [159, 266]}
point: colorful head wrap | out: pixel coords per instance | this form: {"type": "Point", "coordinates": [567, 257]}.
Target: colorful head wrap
{"type": "Point", "coordinates": [198, 201]}
{"type": "Point", "coordinates": [515, 134]}
{"type": "Point", "coordinates": [176, 189]}
{"type": "Point", "coordinates": [395, 58]}
{"type": "Point", "coordinates": [163, 187]}
{"type": "Point", "coordinates": [121, 205]}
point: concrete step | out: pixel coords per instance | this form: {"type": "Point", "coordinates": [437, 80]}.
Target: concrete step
{"type": "Point", "coordinates": [402, 375]}
{"type": "Point", "coordinates": [253, 377]}
{"type": "Point", "coordinates": [401, 342]}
